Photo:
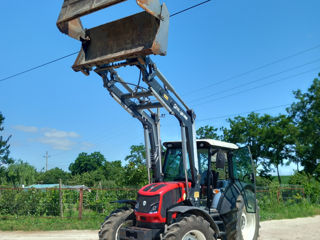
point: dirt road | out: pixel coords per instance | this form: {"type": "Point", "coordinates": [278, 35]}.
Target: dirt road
{"type": "Point", "coordinates": [294, 229]}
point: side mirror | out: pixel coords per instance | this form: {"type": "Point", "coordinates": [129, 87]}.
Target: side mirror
{"type": "Point", "coordinates": [221, 159]}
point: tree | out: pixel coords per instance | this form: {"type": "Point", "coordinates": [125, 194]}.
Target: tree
{"type": "Point", "coordinates": [87, 163]}
{"type": "Point", "coordinates": [4, 146]}
{"type": "Point", "coordinates": [247, 131]}
{"type": "Point", "coordinates": [208, 132]}
{"type": "Point", "coordinates": [135, 171]}
{"type": "Point", "coordinates": [279, 139]}
{"type": "Point", "coordinates": [305, 113]}
{"type": "Point", "coordinates": [21, 173]}
{"type": "Point", "coordinates": [271, 139]}
{"type": "Point", "coordinates": [53, 176]}
{"type": "Point", "coordinates": [113, 171]}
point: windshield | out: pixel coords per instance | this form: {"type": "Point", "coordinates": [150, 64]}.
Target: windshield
{"type": "Point", "coordinates": [173, 165]}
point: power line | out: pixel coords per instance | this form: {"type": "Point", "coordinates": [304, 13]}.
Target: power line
{"type": "Point", "coordinates": [187, 9]}
{"type": "Point", "coordinates": [39, 66]}
{"type": "Point", "coordinates": [260, 86]}
{"type": "Point", "coordinates": [256, 80]}
{"type": "Point", "coordinates": [236, 114]}
{"type": "Point", "coordinates": [254, 69]}
{"type": "Point", "coordinates": [71, 54]}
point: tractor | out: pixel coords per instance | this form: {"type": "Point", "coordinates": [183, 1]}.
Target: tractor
{"type": "Point", "coordinates": [204, 189]}
{"type": "Point", "coordinates": [225, 203]}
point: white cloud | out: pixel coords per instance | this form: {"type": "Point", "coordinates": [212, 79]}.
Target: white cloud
{"type": "Point", "coordinates": [29, 129]}
{"type": "Point", "coordinates": [54, 133]}
{"type": "Point", "coordinates": [86, 145]}
{"type": "Point", "coordinates": [57, 139]}
{"type": "Point", "coordinates": [58, 143]}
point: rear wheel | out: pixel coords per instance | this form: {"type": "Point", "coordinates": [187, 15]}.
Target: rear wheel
{"type": "Point", "coordinates": [109, 230]}
{"type": "Point", "coordinates": [190, 228]}
{"type": "Point", "coordinates": [242, 225]}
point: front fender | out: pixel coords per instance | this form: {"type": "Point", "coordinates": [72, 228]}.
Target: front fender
{"type": "Point", "coordinates": [195, 211]}
{"type": "Point", "coordinates": [132, 203]}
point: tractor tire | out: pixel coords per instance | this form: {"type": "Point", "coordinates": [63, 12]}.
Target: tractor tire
{"type": "Point", "coordinates": [190, 227]}
{"type": "Point", "coordinates": [242, 225]}
{"type": "Point", "coordinates": [117, 219]}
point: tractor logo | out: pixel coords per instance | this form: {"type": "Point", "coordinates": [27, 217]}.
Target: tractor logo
{"type": "Point", "coordinates": [144, 203]}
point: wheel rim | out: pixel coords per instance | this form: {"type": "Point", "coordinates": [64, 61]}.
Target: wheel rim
{"type": "Point", "coordinates": [248, 224]}
{"type": "Point", "coordinates": [124, 224]}
{"type": "Point", "coordinates": [194, 235]}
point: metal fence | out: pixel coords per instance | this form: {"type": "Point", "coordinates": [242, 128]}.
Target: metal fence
{"type": "Point", "coordinates": [79, 202]}
{"type": "Point", "coordinates": [282, 193]}
{"type": "Point", "coordinates": [64, 202]}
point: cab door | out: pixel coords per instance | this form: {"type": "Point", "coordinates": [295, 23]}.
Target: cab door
{"type": "Point", "coordinates": [243, 171]}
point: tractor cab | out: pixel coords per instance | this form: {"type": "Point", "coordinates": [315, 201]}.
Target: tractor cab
{"type": "Point", "coordinates": [208, 151]}
{"type": "Point", "coordinates": [224, 171]}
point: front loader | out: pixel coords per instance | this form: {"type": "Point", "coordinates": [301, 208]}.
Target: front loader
{"type": "Point", "coordinates": [205, 188]}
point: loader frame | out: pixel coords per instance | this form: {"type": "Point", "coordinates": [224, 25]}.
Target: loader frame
{"type": "Point", "coordinates": [144, 111]}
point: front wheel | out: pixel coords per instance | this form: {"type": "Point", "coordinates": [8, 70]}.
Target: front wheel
{"type": "Point", "coordinates": [190, 228]}
{"type": "Point", "coordinates": [122, 217]}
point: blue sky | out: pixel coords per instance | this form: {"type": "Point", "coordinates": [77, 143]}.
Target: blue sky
{"type": "Point", "coordinates": [57, 110]}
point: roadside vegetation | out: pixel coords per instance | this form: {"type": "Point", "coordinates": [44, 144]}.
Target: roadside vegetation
{"type": "Point", "coordinates": [274, 141]}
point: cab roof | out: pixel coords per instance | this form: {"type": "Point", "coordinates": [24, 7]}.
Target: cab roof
{"type": "Point", "coordinates": [206, 142]}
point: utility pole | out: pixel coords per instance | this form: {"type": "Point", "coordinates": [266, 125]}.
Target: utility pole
{"type": "Point", "coordinates": [46, 157]}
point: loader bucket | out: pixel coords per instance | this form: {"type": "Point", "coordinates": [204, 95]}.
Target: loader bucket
{"type": "Point", "coordinates": [141, 34]}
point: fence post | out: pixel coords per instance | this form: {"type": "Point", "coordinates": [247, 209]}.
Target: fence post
{"type": "Point", "coordinates": [278, 195]}
{"type": "Point", "coordinates": [60, 198]}
{"type": "Point", "coordinates": [80, 203]}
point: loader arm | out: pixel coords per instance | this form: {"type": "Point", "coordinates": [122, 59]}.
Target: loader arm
{"type": "Point", "coordinates": [166, 96]}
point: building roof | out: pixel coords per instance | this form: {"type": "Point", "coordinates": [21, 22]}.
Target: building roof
{"type": "Point", "coordinates": [43, 186]}
{"type": "Point", "coordinates": [210, 142]}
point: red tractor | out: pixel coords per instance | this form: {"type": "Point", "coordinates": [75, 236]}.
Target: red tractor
{"type": "Point", "coordinates": [224, 207]}
{"type": "Point", "coordinates": [205, 188]}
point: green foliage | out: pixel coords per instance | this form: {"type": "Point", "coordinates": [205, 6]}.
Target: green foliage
{"type": "Point", "coordinates": [271, 139]}
{"type": "Point", "coordinates": [208, 132]}
{"type": "Point", "coordinates": [113, 171]}
{"type": "Point", "coordinates": [287, 210]}
{"type": "Point", "coordinates": [29, 202]}
{"type": "Point", "coordinates": [250, 131]}
{"type": "Point", "coordinates": [135, 171]}
{"type": "Point", "coordinates": [53, 176]}
{"type": "Point", "coordinates": [21, 173]}
{"type": "Point", "coordinates": [278, 138]}
{"type": "Point", "coordinates": [305, 114]}
{"type": "Point", "coordinates": [310, 184]}
{"type": "Point", "coordinates": [4, 146]}
{"type": "Point", "coordinates": [87, 163]}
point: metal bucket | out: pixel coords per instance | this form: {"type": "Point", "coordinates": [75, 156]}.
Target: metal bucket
{"type": "Point", "coordinates": [141, 34]}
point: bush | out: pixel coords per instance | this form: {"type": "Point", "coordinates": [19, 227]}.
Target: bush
{"type": "Point", "coordinates": [309, 183]}
{"type": "Point", "coordinates": [29, 202]}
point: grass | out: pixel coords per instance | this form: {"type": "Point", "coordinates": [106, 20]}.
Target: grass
{"type": "Point", "coordinates": [30, 223]}
{"type": "Point", "coordinates": [283, 211]}
{"type": "Point", "coordinates": [92, 221]}
{"type": "Point", "coordinates": [284, 179]}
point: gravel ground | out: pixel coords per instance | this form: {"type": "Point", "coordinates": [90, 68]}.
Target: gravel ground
{"type": "Point", "coordinates": [292, 229]}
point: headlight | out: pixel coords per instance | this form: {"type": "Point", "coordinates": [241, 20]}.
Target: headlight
{"type": "Point", "coordinates": [137, 206]}
{"type": "Point", "coordinates": [154, 208]}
